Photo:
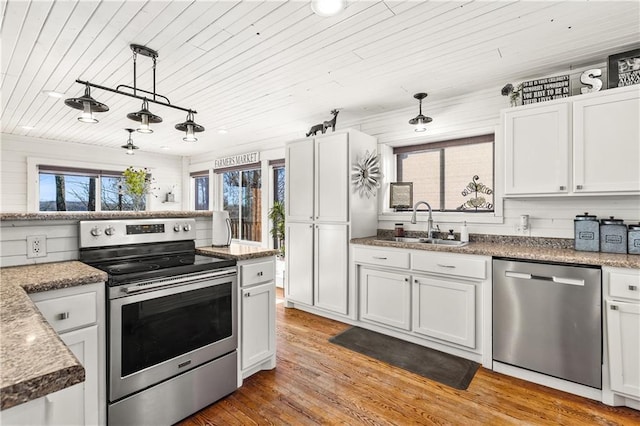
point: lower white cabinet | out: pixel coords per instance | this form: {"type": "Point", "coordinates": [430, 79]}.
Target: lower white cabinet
{"type": "Point", "coordinates": [385, 298]}
{"type": "Point", "coordinates": [299, 269]}
{"type": "Point", "coordinates": [445, 309]}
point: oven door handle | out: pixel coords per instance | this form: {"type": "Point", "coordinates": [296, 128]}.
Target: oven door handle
{"type": "Point", "coordinates": [173, 281]}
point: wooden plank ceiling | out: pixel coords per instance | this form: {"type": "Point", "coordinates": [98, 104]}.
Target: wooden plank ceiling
{"type": "Point", "coordinates": [267, 69]}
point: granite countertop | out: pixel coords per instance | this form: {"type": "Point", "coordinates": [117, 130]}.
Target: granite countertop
{"type": "Point", "coordinates": [544, 249]}
{"type": "Point", "coordinates": [237, 251]}
{"type": "Point", "coordinates": [34, 361]}
{"type": "Point", "coordinates": [102, 215]}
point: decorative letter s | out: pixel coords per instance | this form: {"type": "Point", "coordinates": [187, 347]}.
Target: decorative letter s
{"type": "Point", "coordinates": [589, 78]}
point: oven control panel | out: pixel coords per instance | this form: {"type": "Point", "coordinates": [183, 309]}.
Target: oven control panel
{"type": "Point", "coordinates": [102, 233]}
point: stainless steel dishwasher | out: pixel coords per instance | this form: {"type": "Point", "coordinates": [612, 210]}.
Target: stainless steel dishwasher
{"type": "Point", "coordinates": [547, 318]}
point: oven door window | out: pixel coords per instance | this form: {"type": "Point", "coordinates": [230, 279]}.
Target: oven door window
{"type": "Point", "coordinates": [163, 328]}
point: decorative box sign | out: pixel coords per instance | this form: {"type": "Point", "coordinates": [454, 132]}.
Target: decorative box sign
{"type": "Point", "coordinates": [545, 89]}
{"type": "Point", "coordinates": [237, 160]}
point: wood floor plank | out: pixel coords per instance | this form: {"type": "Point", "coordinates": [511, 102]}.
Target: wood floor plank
{"type": "Point", "coordinates": [319, 383]}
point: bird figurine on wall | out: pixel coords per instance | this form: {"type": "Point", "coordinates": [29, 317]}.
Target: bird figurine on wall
{"type": "Point", "coordinates": [325, 125]}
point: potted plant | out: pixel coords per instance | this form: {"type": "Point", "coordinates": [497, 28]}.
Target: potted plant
{"type": "Point", "coordinates": [137, 184]}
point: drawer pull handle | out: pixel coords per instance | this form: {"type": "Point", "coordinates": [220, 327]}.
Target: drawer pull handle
{"type": "Point", "coordinates": [578, 186]}
{"type": "Point", "coordinates": [63, 315]}
{"type": "Point", "coordinates": [260, 273]}
{"type": "Point", "coordinates": [633, 287]}
{"type": "Point", "coordinates": [562, 187]}
{"type": "Point", "coordinates": [379, 258]}
{"type": "Point", "coordinates": [614, 308]}
{"type": "Point", "coordinates": [247, 294]}
{"type": "Point", "coordinates": [446, 266]}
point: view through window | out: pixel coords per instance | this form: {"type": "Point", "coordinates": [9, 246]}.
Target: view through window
{"type": "Point", "coordinates": [201, 190]}
{"type": "Point", "coordinates": [241, 197]}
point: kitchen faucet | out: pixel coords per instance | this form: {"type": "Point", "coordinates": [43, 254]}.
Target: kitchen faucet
{"type": "Point", "coordinates": [430, 229]}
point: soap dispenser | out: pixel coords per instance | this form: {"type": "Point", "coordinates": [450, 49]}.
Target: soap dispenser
{"type": "Point", "coordinates": [464, 233]}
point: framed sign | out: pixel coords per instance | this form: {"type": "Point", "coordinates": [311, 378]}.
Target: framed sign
{"type": "Point", "coordinates": [545, 89]}
{"type": "Point", "coordinates": [624, 69]}
{"type": "Point", "coordinates": [401, 195]}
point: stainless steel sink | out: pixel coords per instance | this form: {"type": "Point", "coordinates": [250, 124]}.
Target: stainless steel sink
{"type": "Point", "coordinates": [434, 241]}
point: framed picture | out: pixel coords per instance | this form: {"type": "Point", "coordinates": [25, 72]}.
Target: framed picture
{"type": "Point", "coordinates": [624, 69]}
{"type": "Point", "coordinates": [401, 195]}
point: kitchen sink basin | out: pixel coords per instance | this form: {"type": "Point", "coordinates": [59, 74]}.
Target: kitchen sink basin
{"type": "Point", "coordinates": [434, 241]}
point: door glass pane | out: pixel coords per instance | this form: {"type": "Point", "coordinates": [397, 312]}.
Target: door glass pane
{"type": "Point", "coordinates": [162, 328]}
{"type": "Point", "coordinates": [231, 199]}
{"type": "Point", "coordinates": [423, 169]}
{"type": "Point", "coordinates": [59, 192]}
{"type": "Point", "coordinates": [462, 163]}
{"type": "Point", "coordinates": [278, 184]}
{"type": "Point", "coordinates": [201, 192]}
{"type": "Point", "coordinates": [251, 205]}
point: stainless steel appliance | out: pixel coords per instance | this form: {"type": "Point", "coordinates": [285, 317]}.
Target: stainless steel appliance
{"type": "Point", "coordinates": [547, 318]}
{"type": "Point", "coordinates": [172, 319]}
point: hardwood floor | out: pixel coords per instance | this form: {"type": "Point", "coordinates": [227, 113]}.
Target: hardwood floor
{"type": "Point", "coordinates": [316, 382]}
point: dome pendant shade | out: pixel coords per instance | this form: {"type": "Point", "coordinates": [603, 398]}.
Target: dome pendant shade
{"type": "Point", "coordinates": [145, 117]}
{"type": "Point", "coordinates": [88, 105]}
{"type": "Point", "coordinates": [420, 121]}
{"type": "Point", "coordinates": [190, 127]}
{"type": "Point", "coordinates": [130, 147]}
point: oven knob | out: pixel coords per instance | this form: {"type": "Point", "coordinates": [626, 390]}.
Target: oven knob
{"type": "Point", "coordinates": [176, 228]}
{"type": "Point", "coordinates": [110, 230]}
{"type": "Point", "coordinates": [96, 232]}
{"type": "Point", "coordinates": [187, 227]}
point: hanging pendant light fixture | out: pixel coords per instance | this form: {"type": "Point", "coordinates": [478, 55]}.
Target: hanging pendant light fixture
{"type": "Point", "coordinates": [87, 105]}
{"type": "Point", "coordinates": [130, 147]}
{"type": "Point", "coordinates": [190, 127]}
{"type": "Point", "coordinates": [420, 121]}
{"type": "Point", "coordinates": [145, 117]}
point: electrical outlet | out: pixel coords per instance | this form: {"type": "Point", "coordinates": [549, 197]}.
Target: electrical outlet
{"type": "Point", "coordinates": [36, 246]}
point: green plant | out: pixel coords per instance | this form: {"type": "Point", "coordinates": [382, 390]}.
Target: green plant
{"type": "Point", "coordinates": [137, 184]}
{"type": "Point", "coordinates": [276, 215]}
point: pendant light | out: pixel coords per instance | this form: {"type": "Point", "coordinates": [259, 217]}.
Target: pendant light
{"type": "Point", "coordinates": [190, 127]}
{"type": "Point", "coordinates": [88, 105]}
{"type": "Point", "coordinates": [130, 146]}
{"type": "Point", "coordinates": [145, 117]}
{"type": "Point", "coordinates": [420, 121]}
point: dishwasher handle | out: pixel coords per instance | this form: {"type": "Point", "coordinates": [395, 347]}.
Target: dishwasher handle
{"type": "Point", "coordinates": [557, 280]}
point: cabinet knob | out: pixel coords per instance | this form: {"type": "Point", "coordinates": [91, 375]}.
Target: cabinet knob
{"type": "Point", "coordinates": [562, 187]}
{"type": "Point", "coordinates": [311, 217]}
{"type": "Point", "coordinates": [633, 287]}
{"type": "Point", "coordinates": [614, 307]}
{"type": "Point", "coordinates": [578, 186]}
{"type": "Point", "coordinates": [63, 315]}
{"type": "Point", "coordinates": [406, 279]}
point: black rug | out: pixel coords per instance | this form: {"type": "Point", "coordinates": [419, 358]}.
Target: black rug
{"type": "Point", "coordinates": [447, 369]}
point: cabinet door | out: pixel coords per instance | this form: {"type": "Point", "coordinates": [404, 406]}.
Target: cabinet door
{"type": "Point", "coordinates": [606, 145]}
{"type": "Point", "coordinates": [332, 178]}
{"type": "Point", "coordinates": [78, 404]}
{"type": "Point", "coordinates": [299, 180]}
{"type": "Point", "coordinates": [331, 267]}
{"type": "Point", "coordinates": [258, 324]}
{"type": "Point", "coordinates": [537, 141]}
{"type": "Point", "coordinates": [385, 298]}
{"type": "Point", "coordinates": [299, 259]}
{"type": "Point", "coordinates": [623, 334]}
{"type": "Point", "coordinates": [445, 309]}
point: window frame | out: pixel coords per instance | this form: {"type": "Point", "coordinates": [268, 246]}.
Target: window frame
{"type": "Point", "coordinates": [192, 189]}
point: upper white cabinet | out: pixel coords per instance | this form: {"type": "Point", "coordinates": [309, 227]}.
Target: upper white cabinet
{"type": "Point", "coordinates": [586, 144]}
{"type": "Point", "coordinates": [299, 180]}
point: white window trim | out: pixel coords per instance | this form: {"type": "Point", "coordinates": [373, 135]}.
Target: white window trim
{"type": "Point", "coordinates": [33, 178]}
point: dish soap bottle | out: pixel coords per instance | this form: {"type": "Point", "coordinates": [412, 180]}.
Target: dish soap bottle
{"type": "Point", "coordinates": [464, 233]}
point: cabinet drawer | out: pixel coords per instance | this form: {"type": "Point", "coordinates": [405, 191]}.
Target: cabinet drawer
{"type": "Point", "coordinates": [458, 265]}
{"type": "Point", "coordinates": [396, 259]}
{"type": "Point", "coordinates": [256, 273]}
{"type": "Point", "coordinates": [626, 285]}
{"type": "Point", "coordinates": [69, 312]}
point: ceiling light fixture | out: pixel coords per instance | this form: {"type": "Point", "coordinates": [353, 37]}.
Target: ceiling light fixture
{"type": "Point", "coordinates": [53, 94]}
{"type": "Point", "coordinates": [130, 147]}
{"type": "Point", "coordinates": [327, 8]}
{"type": "Point", "coordinates": [420, 121]}
{"type": "Point", "coordinates": [190, 127]}
{"type": "Point", "coordinates": [89, 105]}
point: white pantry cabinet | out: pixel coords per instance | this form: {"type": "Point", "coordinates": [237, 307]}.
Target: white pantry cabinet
{"type": "Point", "coordinates": [622, 313]}
{"type": "Point", "coordinates": [582, 145]}
{"type": "Point", "coordinates": [257, 315]}
{"type": "Point", "coordinates": [77, 314]}
{"type": "Point", "coordinates": [323, 213]}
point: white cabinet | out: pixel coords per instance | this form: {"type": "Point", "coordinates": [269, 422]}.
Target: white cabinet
{"type": "Point", "coordinates": [622, 313]}
{"type": "Point", "coordinates": [323, 214]}
{"type": "Point", "coordinates": [385, 297]}
{"type": "Point", "coordinates": [257, 334]}
{"type": "Point", "coordinates": [586, 144]}
{"type": "Point", "coordinates": [77, 314]}
{"type": "Point", "coordinates": [606, 144]}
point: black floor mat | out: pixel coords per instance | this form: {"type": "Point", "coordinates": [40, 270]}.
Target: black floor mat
{"type": "Point", "coordinates": [435, 365]}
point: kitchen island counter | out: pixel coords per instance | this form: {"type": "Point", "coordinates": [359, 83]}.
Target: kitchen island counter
{"type": "Point", "coordinates": [34, 361]}
{"type": "Point", "coordinates": [237, 251]}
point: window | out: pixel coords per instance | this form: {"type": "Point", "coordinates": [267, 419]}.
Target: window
{"type": "Point", "coordinates": [454, 175]}
{"type": "Point", "coordinates": [277, 231]}
{"type": "Point", "coordinates": [241, 197]}
{"type": "Point", "coordinates": [69, 189]}
{"type": "Point", "coordinates": [201, 190]}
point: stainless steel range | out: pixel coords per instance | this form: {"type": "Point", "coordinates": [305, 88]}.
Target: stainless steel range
{"type": "Point", "coordinates": [172, 319]}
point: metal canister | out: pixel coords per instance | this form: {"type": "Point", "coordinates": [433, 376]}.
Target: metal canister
{"type": "Point", "coordinates": [633, 239]}
{"type": "Point", "coordinates": [613, 236]}
{"type": "Point", "coordinates": [586, 230]}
